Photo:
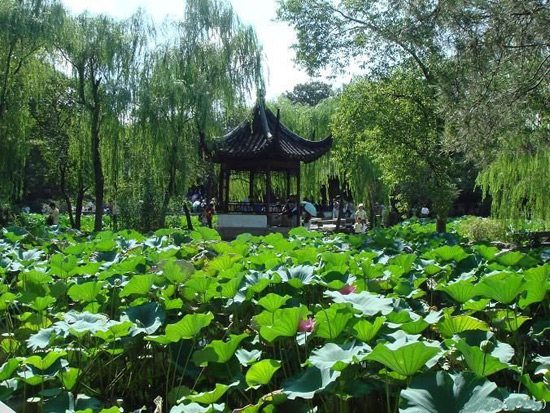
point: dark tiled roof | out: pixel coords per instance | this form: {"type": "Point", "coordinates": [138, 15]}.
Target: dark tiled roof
{"type": "Point", "coordinates": [265, 137]}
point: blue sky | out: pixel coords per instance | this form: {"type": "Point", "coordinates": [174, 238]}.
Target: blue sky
{"type": "Point", "coordinates": [276, 37]}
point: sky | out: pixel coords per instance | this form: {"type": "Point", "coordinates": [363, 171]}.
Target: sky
{"type": "Point", "coordinates": [276, 37]}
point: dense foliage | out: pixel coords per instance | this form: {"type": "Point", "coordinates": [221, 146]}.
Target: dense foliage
{"type": "Point", "coordinates": [399, 318]}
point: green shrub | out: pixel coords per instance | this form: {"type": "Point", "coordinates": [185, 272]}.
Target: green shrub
{"type": "Point", "coordinates": [479, 229]}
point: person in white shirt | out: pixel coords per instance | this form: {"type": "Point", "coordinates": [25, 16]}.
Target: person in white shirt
{"type": "Point", "coordinates": [53, 215]}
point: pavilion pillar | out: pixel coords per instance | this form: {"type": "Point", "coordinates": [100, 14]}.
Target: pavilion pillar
{"type": "Point", "coordinates": [287, 184]}
{"type": "Point", "coordinates": [220, 188]}
{"type": "Point", "coordinates": [268, 191]}
{"type": "Point", "coordinates": [298, 200]}
{"type": "Point", "coordinates": [251, 186]}
{"type": "Point", "coordinates": [227, 175]}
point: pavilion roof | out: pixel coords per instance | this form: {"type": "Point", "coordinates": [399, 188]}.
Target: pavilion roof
{"type": "Point", "coordinates": [264, 137]}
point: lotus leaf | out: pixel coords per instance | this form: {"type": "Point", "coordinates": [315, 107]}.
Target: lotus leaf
{"type": "Point", "coordinates": [338, 357]}
{"type": "Point", "coordinates": [435, 392]}
{"type": "Point", "coordinates": [405, 358]}
{"type": "Point", "coordinates": [481, 363]}
{"type": "Point", "coordinates": [331, 322]}
{"type": "Point", "coordinates": [452, 325]}
{"type": "Point", "coordinates": [139, 285]}
{"type": "Point", "coordinates": [312, 381]}
{"type": "Point", "coordinates": [364, 302]}
{"type": "Point", "coordinates": [218, 351]}
{"type": "Point", "coordinates": [502, 287]}
{"type": "Point", "coordinates": [261, 372]}
{"type": "Point", "coordinates": [211, 397]}
{"type": "Point", "coordinates": [147, 318]}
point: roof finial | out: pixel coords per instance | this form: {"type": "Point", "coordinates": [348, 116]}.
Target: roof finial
{"type": "Point", "coordinates": [261, 95]}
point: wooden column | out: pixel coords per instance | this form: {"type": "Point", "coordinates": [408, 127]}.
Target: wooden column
{"type": "Point", "coordinates": [287, 184]}
{"type": "Point", "coordinates": [227, 175]}
{"type": "Point", "coordinates": [268, 190]}
{"type": "Point", "coordinates": [298, 199]}
{"type": "Point", "coordinates": [251, 185]}
{"type": "Point", "coordinates": [220, 189]}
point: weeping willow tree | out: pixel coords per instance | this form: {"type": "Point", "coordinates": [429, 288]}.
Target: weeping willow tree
{"type": "Point", "coordinates": [389, 125]}
{"type": "Point", "coordinates": [518, 179]}
{"type": "Point", "coordinates": [190, 86]}
{"type": "Point", "coordinates": [103, 54]}
{"type": "Point", "coordinates": [26, 29]}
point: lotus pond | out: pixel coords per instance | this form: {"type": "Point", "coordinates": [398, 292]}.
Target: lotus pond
{"type": "Point", "coordinates": [400, 319]}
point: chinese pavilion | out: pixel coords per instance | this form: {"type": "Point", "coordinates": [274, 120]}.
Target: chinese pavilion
{"type": "Point", "coordinates": [261, 146]}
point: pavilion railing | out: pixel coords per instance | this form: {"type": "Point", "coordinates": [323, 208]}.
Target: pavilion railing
{"type": "Point", "coordinates": [252, 208]}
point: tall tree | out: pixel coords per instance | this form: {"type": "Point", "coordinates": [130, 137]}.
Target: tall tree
{"type": "Point", "coordinates": [390, 121]}
{"type": "Point", "coordinates": [310, 93]}
{"type": "Point", "coordinates": [208, 66]}
{"type": "Point", "coordinates": [26, 28]}
{"type": "Point", "coordinates": [103, 54]}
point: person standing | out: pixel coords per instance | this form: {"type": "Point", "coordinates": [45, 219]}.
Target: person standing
{"type": "Point", "coordinates": [361, 217]}
{"type": "Point", "coordinates": [53, 215]}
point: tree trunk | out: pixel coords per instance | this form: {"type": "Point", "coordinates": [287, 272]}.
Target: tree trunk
{"type": "Point", "coordinates": [441, 225]}
{"type": "Point", "coordinates": [79, 202]}
{"type": "Point", "coordinates": [99, 181]}
{"type": "Point", "coordinates": [187, 216]}
{"type": "Point", "coordinates": [62, 171]}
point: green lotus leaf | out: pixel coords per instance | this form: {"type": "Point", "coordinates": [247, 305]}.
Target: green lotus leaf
{"type": "Point", "coordinates": [507, 320]}
{"type": "Point", "coordinates": [521, 403]}
{"type": "Point", "coordinates": [197, 408]}
{"type": "Point", "coordinates": [477, 305]}
{"type": "Point", "coordinates": [460, 291]}
{"type": "Point", "coordinates": [115, 331]}
{"type": "Point", "coordinates": [305, 256]}
{"type": "Point", "coordinates": [79, 324]}
{"type": "Point", "coordinates": [331, 322]}
{"type": "Point", "coordinates": [338, 357]}
{"type": "Point", "coordinates": [223, 263]}
{"type": "Point", "coordinates": [272, 302]}
{"type": "Point", "coordinates": [261, 372]}
{"type": "Point", "coordinates": [502, 287]}
{"type": "Point", "coordinates": [46, 362]}
{"type": "Point", "coordinates": [364, 302]}
{"type": "Point", "coordinates": [146, 318]}
{"type": "Point", "coordinates": [481, 363]}
{"type": "Point", "coordinates": [246, 357]}
{"type": "Point", "coordinates": [41, 303]}
{"type": "Point", "coordinates": [366, 331]}
{"type": "Point", "coordinates": [211, 397]}
{"type": "Point", "coordinates": [310, 382]}
{"type": "Point", "coordinates": [487, 252]}
{"type": "Point", "coordinates": [41, 339]}
{"type": "Point", "coordinates": [68, 402]}
{"type": "Point", "coordinates": [510, 258]}
{"type": "Point", "coordinates": [536, 285]}
{"type": "Point", "coordinates": [285, 323]}
{"type": "Point", "coordinates": [69, 377]}
{"type": "Point", "coordinates": [404, 261]}
{"type": "Point", "coordinates": [452, 325]}
{"type": "Point", "coordinates": [539, 390]}
{"type": "Point", "coordinates": [8, 368]}
{"type": "Point", "coordinates": [218, 351]}
{"type": "Point", "coordinates": [405, 358]}
{"type": "Point", "coordinates": [205, 234]}
{"type": "Point", "coordinates": [86, 292]}
{"type": "Point", "coordinates": [447, 253]}
{"type": "Point", "coordinates": [188, 327]}
{"type": "Point", "coordinates": [139, 285]}
{"type": "Point", "coordinates": [298, 276]}
{"type": "Point", "coordinates": [62, 265]}
{"type": "Point", "coordinates": [435, 392]}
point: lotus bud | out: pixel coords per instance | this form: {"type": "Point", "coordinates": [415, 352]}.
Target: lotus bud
{"type": "Point", "coordinates": [487, 346]}
{"type": "Point", "coordinates": [306, 326]}
{"type": "Point", "coordinates": [347, 289]}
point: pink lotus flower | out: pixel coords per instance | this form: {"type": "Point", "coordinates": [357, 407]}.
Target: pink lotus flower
{"type": "Point", "coordinates": [347, 289]}
{"type": "Point", "coordinates": [306, 326]}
